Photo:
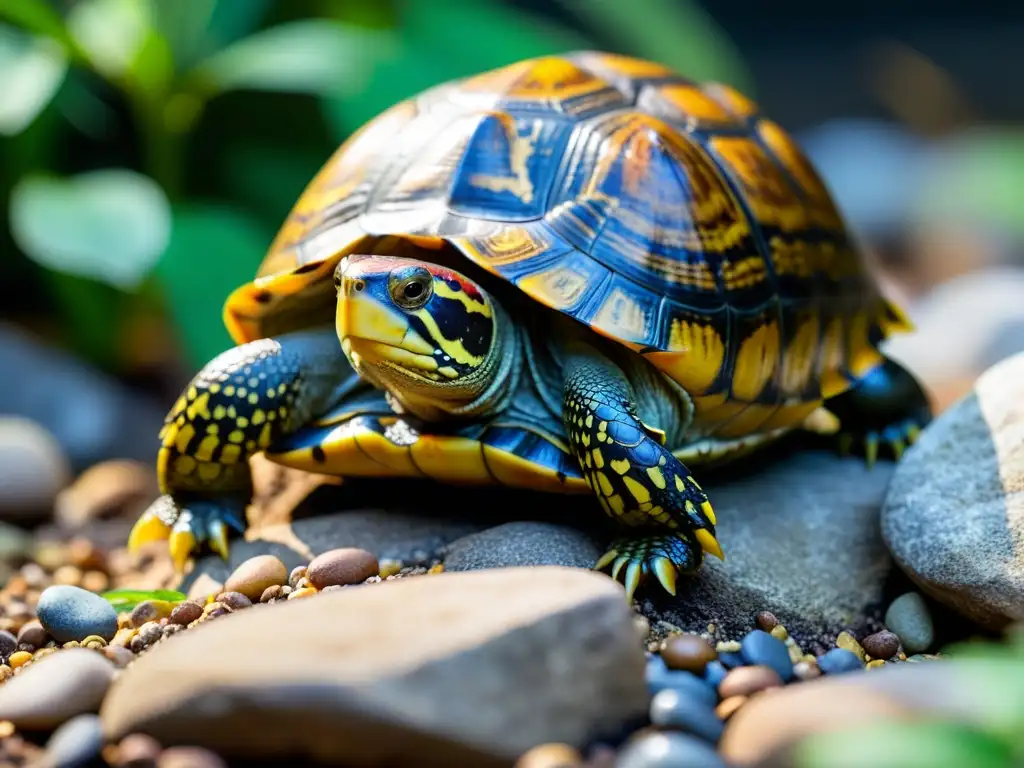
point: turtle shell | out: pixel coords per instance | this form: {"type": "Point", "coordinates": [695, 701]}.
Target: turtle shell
{"type": "Point", "coordinates": [667, 215]}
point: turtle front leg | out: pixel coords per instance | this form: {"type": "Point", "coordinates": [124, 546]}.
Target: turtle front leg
{"type": "Point", "coordinates": [240, 403]}
{"type": "Point", "coordinates": [885, 408]}
{"type": "Point", "coordinates": [638, 482]}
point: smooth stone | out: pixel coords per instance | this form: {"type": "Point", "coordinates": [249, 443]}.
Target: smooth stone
{"type": "Point", "coordinates": [525, 543]}
{"type": "Point", "coordinates": [668, 750]}
{"type": "Point", "coordinates": [954, 514]}
{"type": "Point", "coordinates": [8, 643]}
{"type": "Point", "coordinates": [758, 647]}
{"type": "Point", "coordinates": [672, 708]}
{"type": "Point", "coordinates": [33, 470]}
{"type": "Point", "coordinates": [731, 659]}
{"type": "Point", "coordinates": [714, 673]}
{"type": "Point", "coordinates": [746, 681]}
{"type": "Point", "coordinates": [785, 514]}
{"type": "Point", "coordinates": [686, 683]}
{"type": "Point", "coordinates": [910, 620]}
{"type": "Point", "coordinates": [56, 688]}
{"type": "Point", "coordinates": [341, 567]}
{"type": "Point", "coordinates": [881, 645]}
{"type": "Point", "coordinates": [92, 416]}
{"type": "Point", "coordinates": [255, 575]}
{"type": "Point", "coordinates": [839, 660]}
{"type": "Point", "coordinates": [518, 657]}
{"type": "Point", "coordinates": [75, 744]}
{"type": "Point", "coordinates": [687, 651]}
{"type": "Point", "coordinates": [71, 613]}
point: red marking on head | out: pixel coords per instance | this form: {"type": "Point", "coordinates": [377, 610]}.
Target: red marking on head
{"type": "Point", "coordinates": [466, 286]}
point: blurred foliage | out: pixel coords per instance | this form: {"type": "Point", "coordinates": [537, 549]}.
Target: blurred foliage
{"type": "Point", "coordinates": [151, 148]}
{"type": "Point", "coordinates": [994, 674]}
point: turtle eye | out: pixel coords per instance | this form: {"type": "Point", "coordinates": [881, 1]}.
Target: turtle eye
{"type": "Point", "coordinates": [411, 287]}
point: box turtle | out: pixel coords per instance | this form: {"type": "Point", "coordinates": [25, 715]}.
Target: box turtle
{"type": "Point", "coordinates": [578, 274]}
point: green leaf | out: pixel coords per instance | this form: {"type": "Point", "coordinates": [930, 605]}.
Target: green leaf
{"type": "Point", "coordinates": [903, 745]}
{"type": "Point", "coordinates": [31, 72]}
{"type": "Point", "coordinates": [111, 33]}
{"type": "Point", "coordinates": [125, 600]}
{"type": "Point", "coordinates": [313, 56]}
{"type": "Point", "coordinates": [213, 250]}
{"type": "Point", "coordinates": [110, 225]}
{"type": "Point", "coordinates": [195, 29]}
{"type": "Point", "coordinates": [677, 33]}
{"type": "Point", "coordinates": [34, 15]}
{"type": "Point", "coordinates": [444, 41]}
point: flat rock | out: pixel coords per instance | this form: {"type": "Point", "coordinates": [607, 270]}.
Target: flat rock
{"type": "Point", "coordinates": [954, 514]}
{"type": "Point", "coordinates": [450, 669]}
{"type": "Point", "coordinates": [801, 538]}
{"type": "Point", "coordinates": [526, 542]}
{"type": "Point", "coordinates": [56, 688]}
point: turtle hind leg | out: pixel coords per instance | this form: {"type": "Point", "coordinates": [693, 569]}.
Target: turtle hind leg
{"type": "Point", "coordinates": [239, 404]}
{"type": "Point", "coordinates": [638, 482]}
{"type": "Point", "coordinates": [884, 411]}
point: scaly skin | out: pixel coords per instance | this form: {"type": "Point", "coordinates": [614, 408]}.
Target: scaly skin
{"type": "Point", "coordinates": [637, 481]}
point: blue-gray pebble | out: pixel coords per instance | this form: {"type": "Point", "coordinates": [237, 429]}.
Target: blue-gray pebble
{"type": "Point", "coordinates": [910, 619]}
{"type": "Point", "coordinates": [839, 660]}
{"type": "Point", "coordinates": [680, 680]}
{"type": "Point", "coordinates": [758, 647]}
{"type": "Point", "coordinates": [672, 708]}
{"type": "Point", "coordinates": [75, 744]}
{"type": "Point", "coordinates": [731, 660]}
{"type": "Point", "coordinates": [714, 673]}
{"type": "Point", "coordinates": [70, 613]}
{"type": "Point", "coordinates": [668, 750]}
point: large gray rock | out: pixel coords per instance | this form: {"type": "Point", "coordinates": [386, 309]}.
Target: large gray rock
{"type": "Point", "coordinates": [56, 688]}
{"type": "Point", "coordinates": [954, 514]}
{"type": "Point", "coordinates": [526, 542]}
{"type": "Point", "coordinates": [450, 669]}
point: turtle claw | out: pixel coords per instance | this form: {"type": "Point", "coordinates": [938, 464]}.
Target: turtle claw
{"type": "Point", "coordinates": [893, 440]}
{"type": "Point", "coordinates": [664, 556]}
{"type": "Point", "coordinates": [186, 526]}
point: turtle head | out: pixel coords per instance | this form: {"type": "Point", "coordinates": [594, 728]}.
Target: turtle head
{"type": "Point", "coordinates": [427, 334]}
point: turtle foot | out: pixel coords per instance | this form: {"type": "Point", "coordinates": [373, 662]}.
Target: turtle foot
{"type": "Point", "coordinates": [892, 440]}
{"type": "Point", "coordinates": [666, 556]}
{"type": "Point", "coordinates": [187, 524]}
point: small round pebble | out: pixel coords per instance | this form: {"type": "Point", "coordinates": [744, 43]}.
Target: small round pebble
{"type": "Point", "coordinates": [730, 659]}
{"type": "Point", "coordinates": [806, 670]}
{"type": "Point", "coordinates": [185, 613]}
{"type": "Point", "coordinates": [342, 566]}
{"type": "Point", "coordinates": [727, 707]}
{"type": "Point", "coordinates": [672, 708]}
{"type": "Point", "coordinates": [236, 601]}
{"type": "Point", "coordinates": [668, 750]}
{"type": "Point", "coordinates": [758, 647]}
{"type": "Point", "coordinates": [688, 651]}
{"type": "Point", "coordinates": [839, 660]}
{"type": "Point", "coordinates": [910, 619]}
{"type": "Point", "coordinates": [551, 756]}
{"type": "Point", "coordinates": [253, 576]}
{"type": "Point", "coordinates": [147, 610]}
{"type": "Point", "coordinates": [271, 593]}
{"type": "Point", "coordinates": [75, 743]}
{"type": "Point", "coordinates": [766, 621]}
{"type": "Point", "coordinates": [686, 683]}
{"type": "Point", "coordinates": [881, 645]}
{"type": "Point", "coordinates": [746, 681]}
{"type": "Point", "coordinates": [714, 673]}
{"type": "Point", "coordinates": [8, 643]}
{"type": "Point", "coordinates": [32, 633]}
{"type": "Point", "coordinates": [189, 757]}
{"type": "Point", "coordinates": [70, 613]}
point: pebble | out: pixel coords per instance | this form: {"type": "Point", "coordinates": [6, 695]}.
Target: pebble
{"type": "Point", "coordinates": [806, 670]}
{"type": "Point", "coordinates": [298, 573]}
{"type": "Point", "coordinates": [667, 750]}
{"type": "Point", "coordinates": [727, 707]}
{"type": "Point", "coordinates": [116, 488]}
{"type": "Point", "coordinates": [766, 621]}
{"type": "Point", "coordinates": [909, 618]}
{"type": "Point", "coordinates": [551, 756]}
{"type": "Point", "coordinates": [687, 651]}
{"type": "Point", "coordinates": [714, 673]}
{"type": "Point", "coordinates": [758, 647]}
{"type": "Point", "coordinates": [149, 610]}
{"type": "Point", "coordinates": [75, 744]}
{"type": "Point", "coordinates": [118, 654]}
{"type": "Point", "coordinates": [56, 688]}
{"type": "Point", "coordinates": [838, 661]}
{"type": "Point", "coordinates": [185, 613]}
{"type": "Point", "coordinates": [19, 659]}
{"type": "Point", "coordinates": [881, 645]}
{"type": "Point", "coordinates": [8, 643]}
{"type": "Point", "coordinates": [33, 469]}
{"type": "Point", "coordinates": [254, 575]}
{"type": "Point", "coordinates": [848, 642]}
{"type": "Point", "coordinates": [189, 757]}
{"type": "Point", "coordinates": [730, 659]}
{"type": "Point", "coordinates": [341, 567]}
{"type": "Point", "coordinates": [672, 708]}
{"type": "Point", "coordinates": [71, 613]}
{"type": "Point", "coordinates": [660, 678]}
{"type": "Point", "coordinates": [746, 681]}
{"type": "Point", "coordinates": [236, 601]}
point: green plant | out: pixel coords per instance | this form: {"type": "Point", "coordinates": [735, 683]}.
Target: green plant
{"type": "Point", "coordinates": [152, 147]}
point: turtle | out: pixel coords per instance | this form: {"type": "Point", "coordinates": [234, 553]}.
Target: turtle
{"type": "Point", "coordinates": [581, 273]}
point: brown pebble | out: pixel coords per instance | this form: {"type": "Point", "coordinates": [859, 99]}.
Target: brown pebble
{"type": "Point", "coordinates": [95, 581]}
{"type": "Point", "coordinates": [218, 610]}
{"type": "Point", "coordinates": [298, 572]}
{"type": "Point", "coordinates": [766, 621]}
{"type": "Point", "coordinates": [234, 600]}
{"type": "Point", "coordinates": [118, 654]}
{"type": "Point", "coordinates": [189, 757]}
{"type": "Point", "coordinates": [727, 707]}
{"type": "Point", "coordinates": [270, 593]}
{"type": "Point", "coordinates": [342, 566]}
{"type": "Point", "coordinates": [550, 756]}
{"type": "Point", "coordinates": [185, 613]}
{"type": "Point", "coordinates": [18, 658]}
{"type": "Point", "coordinates": [67, 575]}
{"type": "Point", "coordinates": [137, 750]}
{"type": "Point", "coordinates": [687, 651]}
{"type": "Point", "coordinates": [255, 575]}
{"type": "Point", "coordinates": [881, 645]}
{"type": "Point", "coordinates": [147, 611]}
{"type": "Point", "coordinates": [744, 681]}
{"type": "Point", "coordinates": [806, 670]}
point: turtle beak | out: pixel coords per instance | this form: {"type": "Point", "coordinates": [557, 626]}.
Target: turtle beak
{"type": "Point", "coordinates": [370, 327]}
